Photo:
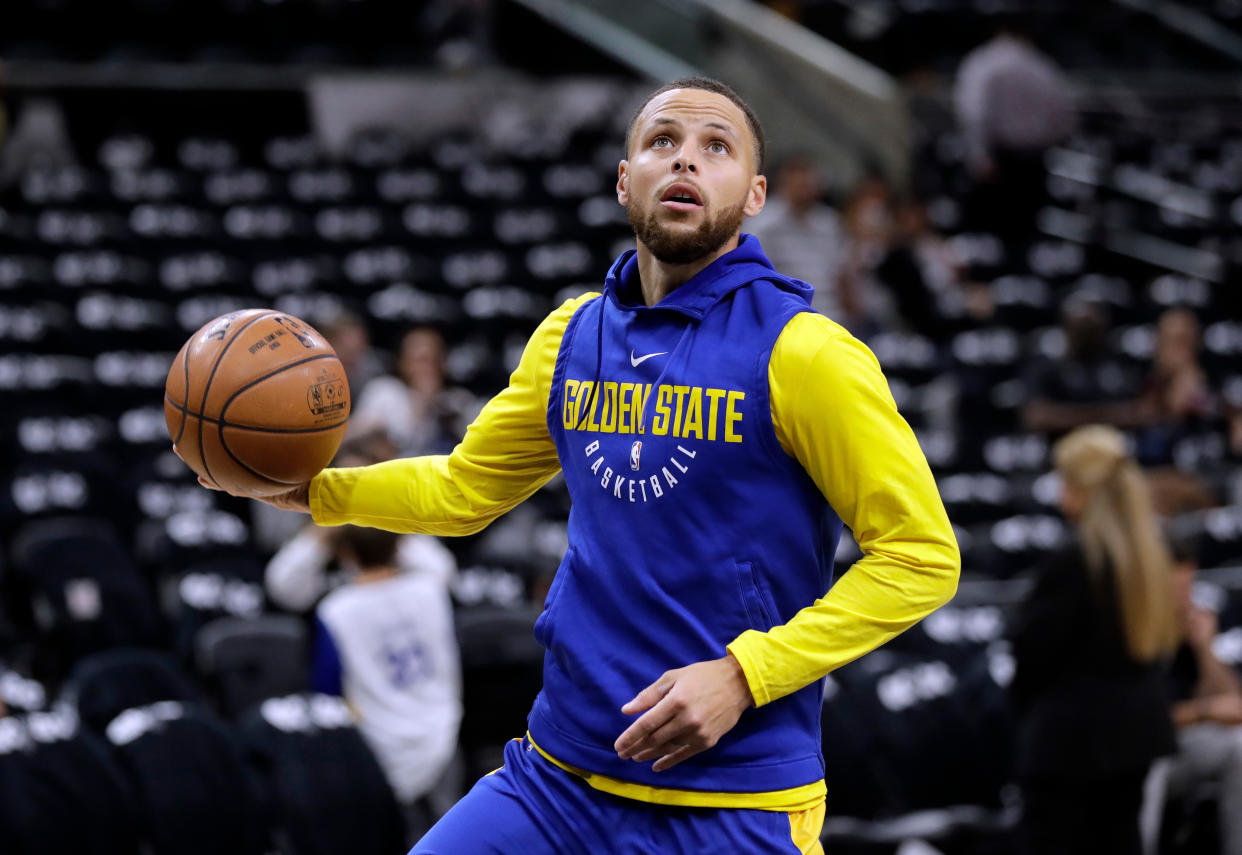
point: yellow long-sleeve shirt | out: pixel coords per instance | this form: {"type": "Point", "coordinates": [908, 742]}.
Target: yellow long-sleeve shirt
{"type": "Point", "coordinates": [832, 412]}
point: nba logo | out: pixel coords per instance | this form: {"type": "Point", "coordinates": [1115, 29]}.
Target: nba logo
{"type": "Point", "coordinates": [635, 450]}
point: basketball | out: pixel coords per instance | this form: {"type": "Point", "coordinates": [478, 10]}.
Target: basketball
{"type": "Point", "coordinates": [256, 402]}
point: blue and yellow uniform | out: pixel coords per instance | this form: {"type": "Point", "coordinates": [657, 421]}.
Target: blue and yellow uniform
{"type": "Point", "coordinates": [713, 445]}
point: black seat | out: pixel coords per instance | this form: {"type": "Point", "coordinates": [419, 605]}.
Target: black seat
{"type": "Point", "coordinates": [328, 792]}
{"type": "Point", "coordinates": [223, 586]}
{"type": "Point", "coordinates": [194, 794]}
{"type": "Point", "coordinates": [85, 591]}
{"type": "Point", "coordinates": [923, 717]}
{"type": "Point", "coordinates": [61, 792]}
{"type": "Point", "coordinates": [246, 660]}
{"type": "Point", "coordinates": [502, 671]}
{"type": "Point", "coordinates": [102, 686]}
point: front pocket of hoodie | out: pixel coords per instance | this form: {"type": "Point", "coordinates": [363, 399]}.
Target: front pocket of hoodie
{"type": "Point", "coordinates": [760, 612]}
{"type": "Point", "coordinates": [545, 623]}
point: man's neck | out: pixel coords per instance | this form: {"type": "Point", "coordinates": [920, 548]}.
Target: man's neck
{"type": "Point", "coordinates": [660, 279]}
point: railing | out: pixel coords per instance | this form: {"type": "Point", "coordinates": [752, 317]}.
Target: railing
{"type": "Point", "coordinates": [811, 95]}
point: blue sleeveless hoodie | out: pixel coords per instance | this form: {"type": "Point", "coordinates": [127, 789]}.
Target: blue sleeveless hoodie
{"type": "Point", "coordinates": [690, 524]}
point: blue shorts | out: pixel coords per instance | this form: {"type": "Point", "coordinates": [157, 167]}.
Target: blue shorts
{"type": "Point", "coordinates": [531, 807]}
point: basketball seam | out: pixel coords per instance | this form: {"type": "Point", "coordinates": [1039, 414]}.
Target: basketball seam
{"type": "Point", "coordinates": [202, 407]}
{"type": "Point", "coordinates": [257, 428]}
{"type": "Point", "coordinates": [257, 475]}
{"type": "Point", "coordinates": [229, 402]}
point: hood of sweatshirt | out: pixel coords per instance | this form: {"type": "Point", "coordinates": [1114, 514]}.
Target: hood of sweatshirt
{"type": "Point", "coordinates": [733, 270]}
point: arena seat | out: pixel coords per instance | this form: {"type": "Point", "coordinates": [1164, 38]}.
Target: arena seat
{"type": "Point", "coordinates": [918, 747]}
{"type": "Point", "coordinates": [328, 793]}
{"type": "Point", "coordinates": [502, 671]}
{"type": "Point", "coordinates": [194, 794]}
{"type": "Point", "coordinates": [102, 686]}
{"type": "Point", "coordinates": [216, 587]}
{"type": "Point", "coordinates": [62, 792]}
{"type": "Point", "coordinates": [85, 593]}
{"type": "Point", "coordinates": [19, 693]}
{"type": "Point", "coordinates": [246, 660]}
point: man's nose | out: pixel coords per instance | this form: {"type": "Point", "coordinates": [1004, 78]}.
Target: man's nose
{"type": "Point", "coordinates": [684, 164]}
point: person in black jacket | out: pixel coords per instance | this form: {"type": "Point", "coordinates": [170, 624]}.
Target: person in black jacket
{"type": "Point", "coordinates": [1089, 644]}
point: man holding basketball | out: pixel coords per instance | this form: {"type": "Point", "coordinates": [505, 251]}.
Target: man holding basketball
{"type": "Point", "coordinates": [714, 433]}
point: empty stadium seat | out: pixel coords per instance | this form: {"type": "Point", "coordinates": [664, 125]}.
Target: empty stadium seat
{"type": "Point", "coordinates": [502, 671]}
{"type": "Point", "coordinates": [85, 593]}
{"type": "Point", "coordinates": [193, 793]}
{"type": "Point", "coordinates": [249, 659]}
{"type": "Point", "coordinates": [223, 586]}
{"type": "Point", "coordinates": [102, 686]}
{"type": "Point", "coordinates": [61, 791]}
{"type": "Point", "coordinates": [328, 792]}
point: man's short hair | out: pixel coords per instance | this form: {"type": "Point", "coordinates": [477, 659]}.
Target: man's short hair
{"type": "Point", "coordinates": [371, 546]}
{"type": "Point", "coordinates": [707, 84]}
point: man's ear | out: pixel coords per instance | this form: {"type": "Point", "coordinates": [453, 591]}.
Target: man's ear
{"type": "Point", "coordinates": [623, 182]}
{"type": "Point", "coordinates": [757, 197]}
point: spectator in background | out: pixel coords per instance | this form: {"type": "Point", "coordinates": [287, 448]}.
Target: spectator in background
{"type": "Point", "coordinates": [298, 575]}
{"type": "Point", "coordinates": [1176, 395]}
{"type": "Point", "coordinates": [1207, 708]}
{"type": "Point", "coordinates": [300, 572]}
{"type": "Point", "coordinates": [1012, 104]}
{"type": "Point", "coordinates": [922, 272]}
{"type": "Point", "coordinates": [386, 642]}
{"type": "Point", "coordinates": [350, 339]}
{"type": "Point", "coordinates": [870, 230]}
{"type": "Point", "coordinates": [414, 410]}
{"type": "Point", "coordinates": [1089, 645]}
{"type": "Point", "coordinates": [37, 138]}
{"type": "Point", "coordinates": [802, 235]}
{"type": "Point", "coordinates": [1088, 384]}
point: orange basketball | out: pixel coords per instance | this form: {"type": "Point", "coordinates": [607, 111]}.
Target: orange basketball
{"type": "Point", "coordinates": [256, 402]}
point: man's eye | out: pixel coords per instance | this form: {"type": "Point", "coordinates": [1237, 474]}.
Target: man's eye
{"type": "Point", "coordinates": [718, 148]}
{"type": "Point", "coordinates": [661, 142]}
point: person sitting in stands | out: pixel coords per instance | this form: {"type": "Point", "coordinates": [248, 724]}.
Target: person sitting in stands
{"type": "Point", "coordinates": [386, 642]}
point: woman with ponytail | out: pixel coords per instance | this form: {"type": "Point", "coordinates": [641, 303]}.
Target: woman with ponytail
{"type": "Point", "coordinates": [1090, 644]}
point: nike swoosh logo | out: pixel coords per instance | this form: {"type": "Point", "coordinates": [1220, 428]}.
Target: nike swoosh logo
{"type": "Point", "coordinates": [639, 360]}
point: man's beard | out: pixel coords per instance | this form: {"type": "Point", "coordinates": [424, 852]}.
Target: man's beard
{"type": "Point", "coordinates": [679, 248]}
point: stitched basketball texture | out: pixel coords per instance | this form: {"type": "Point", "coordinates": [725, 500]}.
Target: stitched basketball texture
{"type": "Point", "coordinates": [256, 402]}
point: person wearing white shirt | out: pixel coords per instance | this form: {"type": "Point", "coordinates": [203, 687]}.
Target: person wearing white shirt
{"type": "Point", "coordinates": [299, 573]}
{"type": "Point", "coordinates": [802, 236]}
{"type": "Point", "coordinates": [1012, 103]}
{"type": "Point", "coordinates": [415, 410]}
{"type": "Point", "coordinates": [386, 642]}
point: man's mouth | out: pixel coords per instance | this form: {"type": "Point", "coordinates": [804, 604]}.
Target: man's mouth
{"type": "Point", "coordinates": [681, 197]}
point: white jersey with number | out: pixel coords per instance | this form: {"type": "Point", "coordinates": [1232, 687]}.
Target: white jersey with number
{"type": "Point", "coordinates": [401, 672]}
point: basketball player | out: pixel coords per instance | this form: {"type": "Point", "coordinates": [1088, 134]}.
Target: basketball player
{"type": "Point", "coordinates": [714, 433]}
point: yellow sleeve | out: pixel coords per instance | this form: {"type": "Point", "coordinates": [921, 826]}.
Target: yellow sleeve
{"type": "Point", "coordinates": [505, 456]}
{"type": "Point", "coordinates": [835, 415]}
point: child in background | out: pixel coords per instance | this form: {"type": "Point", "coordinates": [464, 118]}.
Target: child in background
{"type": "Point", "coordinates": [386, 642]}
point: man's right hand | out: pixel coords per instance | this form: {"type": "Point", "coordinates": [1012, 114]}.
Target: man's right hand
{"type": "Point", "coordinates": [297, 499]}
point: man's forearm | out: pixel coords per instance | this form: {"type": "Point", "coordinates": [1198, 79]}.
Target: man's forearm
{"type": "Point", "coordinates": [435, 494]}
{"type": "Point", "coordinates": [876, 600]}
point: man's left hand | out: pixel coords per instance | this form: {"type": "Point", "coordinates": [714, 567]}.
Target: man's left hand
{"type": "Point", "coordinates": [687, 711]}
